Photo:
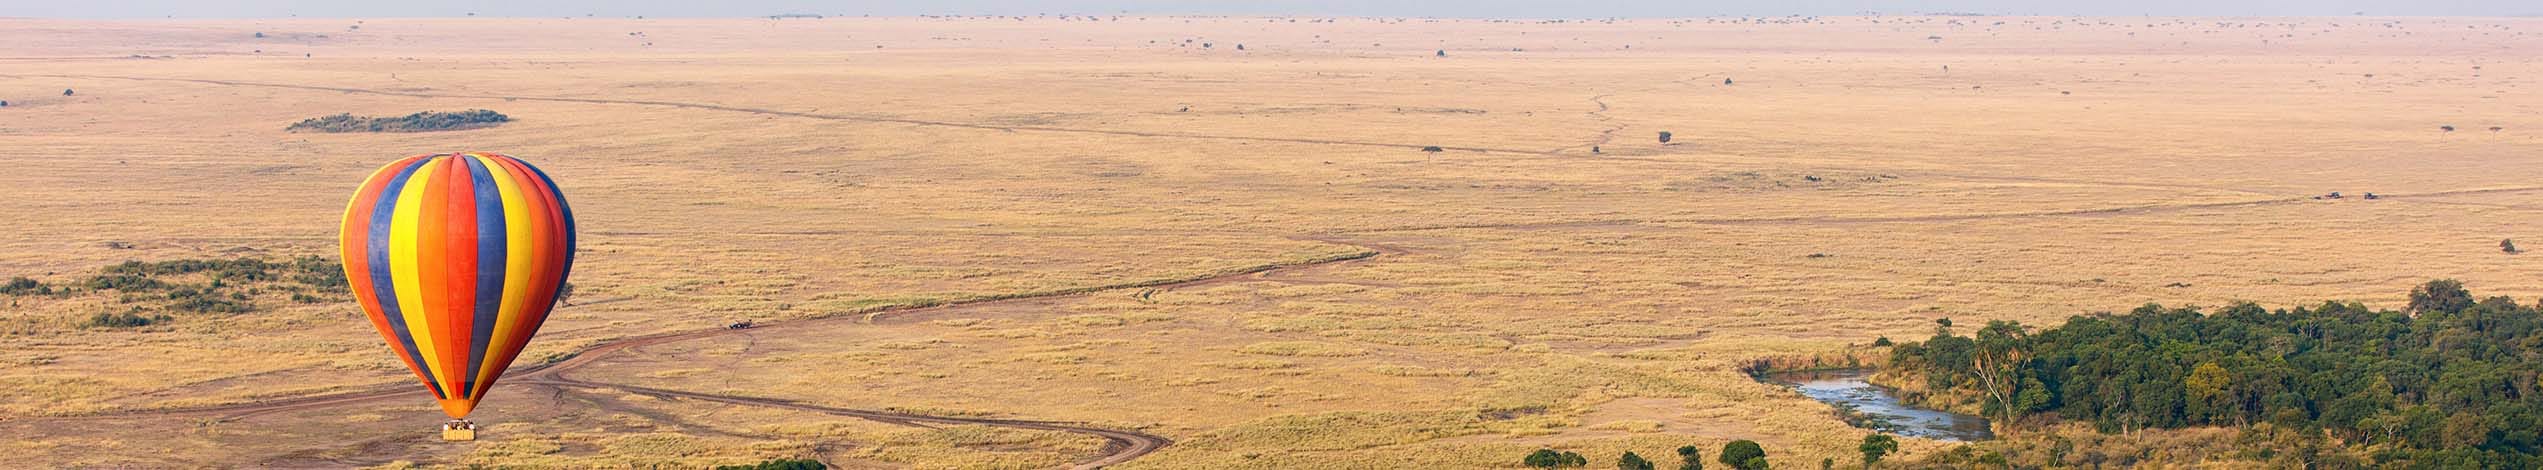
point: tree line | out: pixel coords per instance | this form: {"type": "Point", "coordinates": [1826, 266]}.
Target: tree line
{"type": "Point", "coordinates": [2448, 382]}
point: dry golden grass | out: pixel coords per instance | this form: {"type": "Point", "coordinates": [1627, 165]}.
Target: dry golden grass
{"type": "Point", "coordinates": [1844, 186]}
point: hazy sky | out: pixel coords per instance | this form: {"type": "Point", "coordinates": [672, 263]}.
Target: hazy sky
{"type": "Point", "coordinates": [1435, 8]}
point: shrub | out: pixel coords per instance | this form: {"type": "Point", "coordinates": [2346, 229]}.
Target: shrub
{"type": "Point", "coordinates": [24, 286]}
{"type": "Point", "coordinates": [1690, 458]}
{"type": "Point", "coordinates": [122, 282]}
{"type": "Point", "coordinates": [778, 464]}
{"type": "Point", "coordinates": [1876, 446]}
{"type": "Point", "coordinates": [1543, 458]}
{"type": "Point", "coordinates": [1632, 462]}
{"type": "Point", "coordinates": [205, 301]}
{"type": "Point", "coordinates": [1744, 455]}
{"type": "Point", "coordinates": [419, 122]}
{"type": "Point", "coordinates": [124, 320]}
{"type": "Point", "coordinates": [1664, 137]}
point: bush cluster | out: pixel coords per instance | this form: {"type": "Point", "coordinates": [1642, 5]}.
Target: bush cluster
{"type": "Point", "coordinates": [427, 121]}
{"type": "Point", "coordinates": [778, 464]}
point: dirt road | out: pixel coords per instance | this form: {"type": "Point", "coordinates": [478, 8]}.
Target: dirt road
{"type": "Point", "coordinates": [1120, 445]}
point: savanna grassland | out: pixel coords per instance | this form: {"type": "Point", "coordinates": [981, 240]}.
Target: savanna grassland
{"type": "Point", "coordinates": [1553, 275]}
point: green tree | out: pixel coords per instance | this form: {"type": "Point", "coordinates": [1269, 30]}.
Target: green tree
{"type": "Point", "coordinates": [1574, 460]}
{"type": "Point", "coordinates": [2206, 388]}
{"type": "Point", "coordinates": [1743, 454]}
{"type": "Point", "coordinates": [1996, 365]}
{"type": "Point", "coordinates": [1875, 447]}
{"type": "Point", "coordinates": [2465, 430]}
{"type": "Point", "coordinates": [1632, 462]}
{"type": "Point", "coordinates": [1690, 458]}
{"type": "Point", "coordinates": [2440, 296]}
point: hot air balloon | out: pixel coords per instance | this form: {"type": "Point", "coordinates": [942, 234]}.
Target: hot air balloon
{"type": "Point", "coordinates": [457, 259]}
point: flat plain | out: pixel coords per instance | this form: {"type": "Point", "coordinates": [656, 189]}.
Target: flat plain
{"type": "Point", "coordinates": [1225, 236]}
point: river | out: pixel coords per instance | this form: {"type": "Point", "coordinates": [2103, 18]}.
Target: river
{"type": "Point", "coordinates": [1872, 407]}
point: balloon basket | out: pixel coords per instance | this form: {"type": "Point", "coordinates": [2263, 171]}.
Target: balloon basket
{"type": "Point", "coordinates": [459, 430]}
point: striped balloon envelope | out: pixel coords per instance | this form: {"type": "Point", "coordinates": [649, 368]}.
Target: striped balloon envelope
{"type": "Point", "coordinates": [457, 259]}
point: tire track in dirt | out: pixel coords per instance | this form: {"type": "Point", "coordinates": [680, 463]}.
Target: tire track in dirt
{"type": "Point", "coordinates": [807, 115]}
{"type": "Point", "coordinates": [1120, 446]}
{"type": "Point", "coordinates": [1818, 220]}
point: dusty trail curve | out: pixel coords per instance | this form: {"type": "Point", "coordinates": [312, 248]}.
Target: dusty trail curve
{"type": "Point", "coordinates": [1120, 446]}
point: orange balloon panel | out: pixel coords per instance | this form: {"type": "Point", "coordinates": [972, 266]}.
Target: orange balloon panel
{"type": "Point", "coordinates": [457, 258]}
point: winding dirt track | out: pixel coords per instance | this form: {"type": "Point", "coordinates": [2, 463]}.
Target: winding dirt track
{"type": "Point", "coordinates": [1120, 446]}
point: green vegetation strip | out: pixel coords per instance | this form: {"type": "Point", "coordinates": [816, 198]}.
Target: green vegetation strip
{"type": "Point", "coordinates": [2450, 382]}
{"type": "Point", "coordinates": [427, 121]}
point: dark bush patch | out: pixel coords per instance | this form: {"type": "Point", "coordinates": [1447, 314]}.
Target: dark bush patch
{"type": "Point", "coordinates": [778, 464]}
{"type": "Point", "coordinates": [24, 286]}
{"type": "Point", "coordinates": [124, 320]}
{"type": "Point", "coordinates": [123, 282]}
{"type": "Point", "coordinates": [427, 121]}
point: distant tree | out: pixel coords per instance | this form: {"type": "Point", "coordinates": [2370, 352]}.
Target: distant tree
{"type": "Point", "coordinates": [2507, 245]}
{"type": "Point", "coordinates": [1690, 458]}
{"type": "Point", "coordinates": [1432, 149]}
{"type": "Point", "coordinates": [565, 294]}
{"type": "Point", "coordinates": [1442, 53]}
{"type": "Point", "coordinates": [1743, 455]}
{"type": "Point", "coordinates": [1828, 463]}
{"type": "Point", "coordinates": [1882, 342]}
{"type": "Point", "coordinates": [1664, 137]}
{"type": "Point", "coordinates": [260, 34]}
{"type": "Point", "coordinates": [2442, 295]}
{"type": "Point", "coordinates": [66, 92]}
{"type": "Point", "coordinates": [1632, 462]}
{"type": "Point", "coordinates": [1544, 458]}
{"type": "Point", "coordinates": [1875, 447]}
{"type": "Point", "coordinates": [2447, 128]}
{"type": "Point", "coordinates": [1240, 47]}
{"type": "Point", "coordinates": [1726, 81]}
{"type": "Point", "coordinates": [1574, 460]}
